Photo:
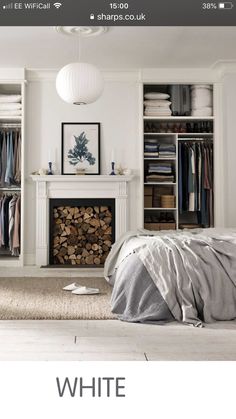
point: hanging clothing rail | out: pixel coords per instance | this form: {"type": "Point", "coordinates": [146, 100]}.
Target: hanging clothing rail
{"type": "Point", "coordinates": [196, 181]}
{"type": "Point", "coordinates": [196, 140]}
{"type": "Point", "coordinates": [10, 158]}
{"type": "Point", "coordinates": [10, 189]}
{"type": "Point", "coordinates": [10, 209]}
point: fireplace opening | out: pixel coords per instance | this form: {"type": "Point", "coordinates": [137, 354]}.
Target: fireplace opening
{"type": "Point", "coordinates": [81, 231]}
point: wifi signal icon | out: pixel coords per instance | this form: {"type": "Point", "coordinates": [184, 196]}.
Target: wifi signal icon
{"type": "Point", "coordinates": [57, 5]}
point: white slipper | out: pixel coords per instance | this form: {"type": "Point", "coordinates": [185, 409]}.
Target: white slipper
{"type": "Point", "coordinates": [72, 287]}
{"type": "Point", "coordinates": [86, 291]}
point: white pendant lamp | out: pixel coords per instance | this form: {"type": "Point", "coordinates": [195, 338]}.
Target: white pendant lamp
{"type": "Point", "coordinates": [80, 83]}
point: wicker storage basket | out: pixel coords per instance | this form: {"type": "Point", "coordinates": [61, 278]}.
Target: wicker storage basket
{"type": "Point", "coordinates": [168, 201]}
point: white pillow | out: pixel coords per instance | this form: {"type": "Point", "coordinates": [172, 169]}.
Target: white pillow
{"type": "Point", "coordinates": [156, 95]}
{"type": "Point", "coordinates": [10, 106]}
{"type": "Point", "coordinates": [157, 103]}
{"type": "Point", "coordinates": [10, 98]}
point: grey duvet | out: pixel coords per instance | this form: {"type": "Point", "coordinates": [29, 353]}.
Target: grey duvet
{"type": "Point", "coordinates": [135, 298]}
{"type": "Point", "coordinates": [186, 276]}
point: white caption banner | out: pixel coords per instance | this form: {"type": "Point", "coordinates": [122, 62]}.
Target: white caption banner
{"type": "Point", "coordinates": [159, 389]}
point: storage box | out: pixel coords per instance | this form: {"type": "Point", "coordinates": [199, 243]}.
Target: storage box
{"type": "Point", "coordinates": [167, 226]}
{"type": "Point", "coordinates": [148, 190]}
{"type": "Point", "coordinates": [158, 192]}
{"type": "Point", "coordinates": [148, 201]}
{"type": "Point", "coordinates": [148, 196]}
{"type": "Point", "coordinates": [160, 226]}
{"type": "Point", "coordinates": [151, 226]}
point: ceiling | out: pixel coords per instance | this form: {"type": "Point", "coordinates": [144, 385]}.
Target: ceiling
{"type": "Point", "coordinates": [121, 47]}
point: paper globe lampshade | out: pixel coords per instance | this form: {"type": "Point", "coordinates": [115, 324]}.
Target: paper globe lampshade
{"type": "Point", "coordinates": [79, 83]}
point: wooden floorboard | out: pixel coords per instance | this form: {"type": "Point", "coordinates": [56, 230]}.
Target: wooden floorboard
{"type": "Point", "coordinates": [113, 340]}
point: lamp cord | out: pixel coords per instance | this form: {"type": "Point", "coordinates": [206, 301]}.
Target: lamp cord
{"type": "Point", "coordinates": [79, 49]}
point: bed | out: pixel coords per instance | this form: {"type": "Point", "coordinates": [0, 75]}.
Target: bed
{"type": "Point", "coordinates": [188, 276]}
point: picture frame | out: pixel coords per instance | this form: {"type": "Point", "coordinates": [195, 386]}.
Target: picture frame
{"type": "Point", "coordinates": [80, 148]}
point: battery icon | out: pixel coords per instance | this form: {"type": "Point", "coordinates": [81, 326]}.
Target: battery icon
{"type": "Point", "coordinates": [226, 6]}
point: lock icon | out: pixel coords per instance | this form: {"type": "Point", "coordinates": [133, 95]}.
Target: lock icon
{"type": "Point", "coordinates": [92, 16]}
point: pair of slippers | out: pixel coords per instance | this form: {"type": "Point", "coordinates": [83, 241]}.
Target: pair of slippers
{"type": "Point", "coordinates": [80, 289]}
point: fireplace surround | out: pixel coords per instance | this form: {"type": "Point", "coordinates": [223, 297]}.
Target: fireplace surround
{"type": "Point", "coordinates": [78, 188]}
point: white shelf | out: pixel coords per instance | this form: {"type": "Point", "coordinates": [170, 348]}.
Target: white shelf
{"type": "Point", "coordinates": [172, 123]}
{"type": "Point", "coordinates": [10, 118]}
{"type": "Point", "coordinates": [160, 158]}
{"type": "Point", "coordinates": [15, 85]}
{"type": "Point", "coordinates": [82, 178]}
{"type": "Point", "coordinates": [196, 135]}
{"type": "Point", "coordinates": [160, 209]}
{"type": "Point", "coordinates": [179, 118]}
{"type": "Point", "coordinates": [180, 134]}
{"type": "Point", "coordinates": [160, 133]}
{"type": "Point", "coordinates": [160, 183]}
{"type": "Point", "coordinates": [10, 189]}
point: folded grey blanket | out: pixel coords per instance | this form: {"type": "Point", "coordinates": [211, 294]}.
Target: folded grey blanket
{"type": "Point", "coordinates": [195, 272]}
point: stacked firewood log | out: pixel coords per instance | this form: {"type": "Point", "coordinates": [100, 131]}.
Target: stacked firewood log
{"type": "Point", "coordinates": [81, 235]}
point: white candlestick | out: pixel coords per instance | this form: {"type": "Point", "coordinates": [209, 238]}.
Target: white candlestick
{"type": "Point", "coordinates": [50, 159]}
{"type": "Point", "coordinates": [113, 155]}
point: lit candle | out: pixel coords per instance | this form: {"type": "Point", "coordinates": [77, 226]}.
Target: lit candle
{"type": "Point", "coordinates": [113, 155]}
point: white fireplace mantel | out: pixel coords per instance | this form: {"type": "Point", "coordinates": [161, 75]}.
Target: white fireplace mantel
{"type": "Point", "coordinates": [72, 186]}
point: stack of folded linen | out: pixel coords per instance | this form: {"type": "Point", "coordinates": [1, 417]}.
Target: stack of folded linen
{"type": "Point", "coordinates": [167, 150]}
{"type": "Point", "coordinates": [150, 148]}
{"type": "Point", "coordinates": [160, 172]}
{"type": "Point", "coordinates": [155, 178]}
{"type": "Point", "coordinates": [157, 104]}
{"type": "Point", "coordinates": [201, 100]}
{"type": "Point", "coordinates": [10, 105]}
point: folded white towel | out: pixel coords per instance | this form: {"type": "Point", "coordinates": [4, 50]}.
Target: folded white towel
{"type": "Point", "coordinates": [199, 104]}
{"type": "Point", "coordinates": [10, 106]}
{"type": "Point", "coordinates": [157, 108]}
{"type": "Point", "coordinates": [201, 86]}
{"type": "Point", "coordinates": [159, 111]}
{"type": "Point", "coordinates": [202, 112]}
{"type": "Point", "coordinates": [157, 103]}
{"type": "Point", "coordinates": [10, 98]}
{"type": "Point", "coordinates": [156, 95]}
{"type": "Point", "coordinates": [201, 97]}
{"type": "Point", "coordinates": [10, 113]}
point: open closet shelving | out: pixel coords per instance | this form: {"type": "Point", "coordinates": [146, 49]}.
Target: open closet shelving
{"type": "Point", "coordinates": [12, 82]}
{"type": "Point", "coordinates": [156, 214]}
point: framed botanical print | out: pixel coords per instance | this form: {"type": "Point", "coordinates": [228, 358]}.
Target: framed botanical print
{"type": "Point", "coordinates": [80, 150]}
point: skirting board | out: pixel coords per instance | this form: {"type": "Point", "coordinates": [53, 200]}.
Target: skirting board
{"type": "Point", "coordinates": [36, 272]}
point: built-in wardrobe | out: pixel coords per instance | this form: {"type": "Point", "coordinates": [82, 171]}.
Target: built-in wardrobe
{"type": "Point", "coordinates": [12, 89]}
{"type": "Point", "coordinates": [178, 156]}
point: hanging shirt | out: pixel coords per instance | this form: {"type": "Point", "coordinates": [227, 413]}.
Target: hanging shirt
{"type": "Point", "coordinates": [12, 207]}
{"type": "Point", "coordinates": [9, 169]}
{"type": "Point", "coordinates": [3, 160]}
{"type": "Point", "coordinates": [16, 233]}
{"type": "Point", "coordinates": [17, 169]}
{"type": "Point", "coordinates": [192, 180]}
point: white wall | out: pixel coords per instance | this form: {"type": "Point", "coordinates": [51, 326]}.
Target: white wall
{"type": "Point", "coordinates": [229, 139]}
{"type": "Point", "coordinates": [118, 112]}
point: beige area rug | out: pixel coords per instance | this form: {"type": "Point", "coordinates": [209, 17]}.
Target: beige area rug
{"type": "Point", "coordinates": [43, 299]}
